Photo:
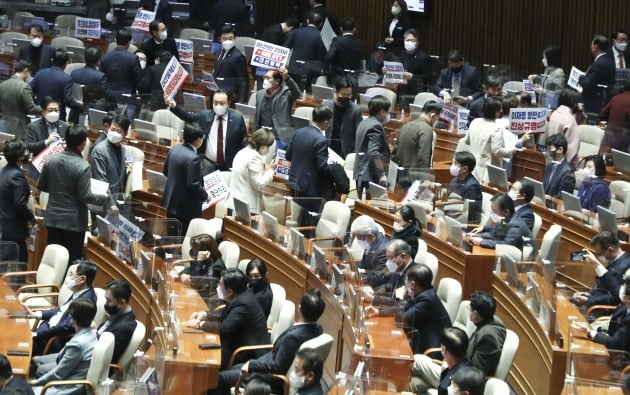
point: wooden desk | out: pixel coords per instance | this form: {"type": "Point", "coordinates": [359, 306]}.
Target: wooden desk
{"type": "Point", "coordinates": [16, 332]}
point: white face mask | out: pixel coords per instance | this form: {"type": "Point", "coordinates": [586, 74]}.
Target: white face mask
{"type": "Point", "coordinates": [114, 137]}
{"type": "Point", "coordinates": [296, 381]}
{"type": "Point", "coordinates": [451, 390]}
{"type": "Point", "coordinates": [513, 194]}
{"type": "Point", "coordinates": [109, 17]}
{"type": "Point", "coordinates": [396, 10]}
{"type": "Point", "coordinates": [621, 46]}
{"type": "Point", "coordinates": [52, 117]}
{"type": "Point", "coordinates": [387, 119]}
{"type": "Point", "coordinates": [622, 292]}
{"type": "Point", "coordinates": [496, 218]}
{"type": "Point", "coordinates": [70, 283]}
{"type": "Point", "coordinates": [391, 266]}
{"type": "Point", "coordinates": [37, 41]}
{"type": "Point", "coordinates": [163, 35]}
{"type": "Point", "coordinates": [544, 62]}
{"type": "Point", "coordinates": [602, 259]}
{"type": "Point", "coordinates": [363, 244]}
{"type": "Point", "coordinates": [220, 293]}
{"type": "Point", "coordinates": [410, 46]}
{"type": "Point", "coordinates": [227, 44]}
{"type": "Point", "coordinates": [589, 172]}
{"type": "Point", "coordinates": [143, 64]}
{"type": "Point", "coordinates": [219, 110]}
{"type": "Point", "coordinates": [267, 84]}
{"type": "Point", "coordinates": [454, 170]}
{"type": "Point", "coordinates": [398, 226]}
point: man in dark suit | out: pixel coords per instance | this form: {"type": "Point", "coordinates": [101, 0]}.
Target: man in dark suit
{"type": "Point", "coordinates": [57, 321]}
{"type": "Point", "coordinates": [121, 321]}
{"type": "Point", "coordinates": [16, 101]}
{"type": "Point", "coordinates": [220, 119]}
{"type": "Point", "coordinates": [617, 337]}
{"type": "Point", "coordinates": [344, 55]}
{"type": "Point", "coordinates": [121, 68]}
{"type": "Point", "coordinates": [346, 117]}
{"type": "Point", "coordinates": [559, 175]}
{"type": "Point", "coordinates": [184, 192]}
{"type": "Point", "coordinates": [158, 41]}
{"type": "Point", "coordinates": [54, 82]}
{"type": "Point", "coordinates": [279, 359]}
{"type": "Point", "coordinates": [41, 133]}
{"type": "Point", "coordinates": [459, 82]}
{"type": "Point", "coordinates": [10, 384]}
{"type": "Point", "coordinates": [454, 343]}
{"type": "Point", "coordinates": [39, 54]}
{"type": "Point", "coordinates": [319, 6]}
{"type": "Point", "coordinates": [417, 66]}
{"type": "Point", "coordinates": [618, 54]}
{"type": "Point", "coordinates": [151, 81]}
{"type": "Point", "coordinates": [242, 321]}
{"type": "Point", "coordinates": [277, 33]}
{"type": "Point", "coordinates": [307, 373]}
{"type": "Point", "coordinates": [201, 13]}
{"type": "Point", "coordinates": [230, 67]}
{"type": "Point", "coordinates": [92, 79]}
{"type": "Point", "coordinates": [229, 12]}
{"type": "Point", "coordinates": [464, 186]}
{"type": "Point", "coordinates": [522, 193]}
{"type": "Point", "coordinates": [601, 72]}
{"type": "Point", "coordinates": [492, 87]}
{"type": "Point", "coordinates": [308, 50]}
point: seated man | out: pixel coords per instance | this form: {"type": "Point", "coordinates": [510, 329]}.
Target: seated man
{"type": "Point", "coordinates": [242, 321]}
{"type": "Point", "coordinates": [484, 348]}
{"type": "Point", "coordinates": [468, 381]}
{"type": "Point", "coordinates": [373, 243]}
{"type": "Point", "coordinates": [464, 186]}
{"type": "Point", "coordinates": [492, 87]}
{"type": "Point", "coordinates": [279, 359]}
{"type": "Point", "coordinates": [57, 321]}
{"type": "Point", "coordinates": [121, 321]}
{"type": "Point", "coordinates": [609, 262]}
{"type": "Point", "coordinates": [559, 175]}
{"type": "Point", "coordinates": [522, 192]}
{"type": "Point", "coordinates": [307, 373]}
{"type": "Point", "coordinates": [8, 382]}
{"type": "Point", "coordinates": [454, 343]}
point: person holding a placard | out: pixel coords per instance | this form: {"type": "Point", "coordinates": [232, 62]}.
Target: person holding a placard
{"type": "Point", "coordinates": [159, 41]}
{"type": "Point", "coordinates": [417, 68]}
{"type": "Point", "coordinates": [562, 121]}
{"type": "Point", "coordinates": [599, 80]}
{"type": "Point", "coordinates": [395, 27]}
{"type": "Point", "coordinates": [162, 9]}
{"type": "Point", "coordinates": [49, 128]}
{"type": "Point", "coordinates": [459, 82]}
{"type": "Point", "coordinates": [16, 101]}
{"type": "Point", "coordinates": [39, 54]}
{"type": "Point", "coordinates": [230, 67]}
{"type": "Point", "coordinates": [344, 55]}
{"type": "Point", "coordinates": [151, 81]}
{"type": "Point", "coordinates": [553, 79]}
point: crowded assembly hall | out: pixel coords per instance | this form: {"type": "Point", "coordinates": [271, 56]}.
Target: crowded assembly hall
{"type": "Point", "coordinates": [312, 197]}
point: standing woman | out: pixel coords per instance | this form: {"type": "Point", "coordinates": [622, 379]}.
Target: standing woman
{"type": "Point", "coordinates": [15, 215]}
{"type": "Point", "coordinates": [395, 27]}
{"type": "Point", "coordinates": [553, 79]}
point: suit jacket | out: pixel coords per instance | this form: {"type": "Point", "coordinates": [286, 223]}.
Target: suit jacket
{"type": "Point", "coordinates": [273, 34]}
{"type": "Point", "coordinates": [526, 214]}
{"type": "Point", "coordinates": [486, 343]}
{"type": "Point", "coordinates": [601, 72]}
{"type": "Point", "coordinates": [610, 56]}
{"type": "Point", "coordinates": [607, 286]}
{"type": "Point", "coordinates": [54, 82]}
{"type": "Point", "coordinates": [397, 47]}
{"type": "Point", "coordinates": [281, 109]}
{"type": "Point", "coordinates": [151, 48]}
{"type": "Point", "coordinates": [231, 73]}
{"type": "Point", "coordinates": [350, 120]}
{"type": "Point", "coordinates": [469, 189]}
{"type": "Point", "coordinates": [309, 174]}
{"type": "Point", "coordinates": [248, 178]}
{"type": "Point", "coordinates": [327, 13]}
{"type": "Point", "coordinates": [264, 297]}
{"type": "Point", "coordinates": [47, 53]}
{"type": "Point", "coordinates": [229, 11]}
{"type": "Point", "coordinates": [469, 83]}
{"type": "Point", "coordinates": [414, 145]}
{"type": "Point", "coordinates": [151, 84]}
{"type": "Point", "coordinates": [122, 325]}
{"type": "Point", "coordinates": [426, 314]}
{"type": "Point", "coordinates": [201, 12]}
{"type": "Point", "coordinates": [44, 331]}
{"type": "Point", "coordinates": [17, 383]}
{"type": "Point", "coordinates": [618, 336]}
{"type": "Point", "coordinates": [417, 63]}
{"type": "Point", "coordinates": [373, 262]}
{"type": "Point", "coordinates": [234, 136]}
{"type": "Point", "coordinates": [313, 389]}
{"type": "Point", "coordinates": [109, 167]}
{"type": "Point", "coordinates": [562, 179]}
{"type": "Point", "coordinates": [511, 233]}
{"type": "Point", "coordinates": [73, 362]}
{"type": "Point", "coordinates": [594, 192]}
{"type": "Point", "coordinates": [14, 211]}
{"type": "Point", "coordinates": [345, 53]}
{"type": "Point", "coordinates": [183, 193]}
{"type": "Point", "coordinates": [447, 375]}
{"type": "Point", "coordinates": [16, 103]}
{"type": "Point", "coordinates": [88, 75]}
{"type": "Point", "coordinates": [66, 177]}
{"type": "Point", "coordinates": [372, 141]}
{"type": "Point", "coordinates": [37, 133]}
{"type": "Point", "coordinates": [307, 46]}
{"type": "Point", "coordinates": [123, 72]}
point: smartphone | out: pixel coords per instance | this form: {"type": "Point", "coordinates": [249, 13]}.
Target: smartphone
{"type": "Point", "coordinates": [577, 256]}
{"type": "Point", "coordinates": [209, 346]}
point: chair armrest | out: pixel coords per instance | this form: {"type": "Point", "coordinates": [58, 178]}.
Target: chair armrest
{"type": "Point", "coordinates": [167, 246]}
{"type": "Point", "coordinates": [36, 286]}
{"type": "Point", "coordinates": [429, 351]}
{"type": "Point", "coordinates": [599, 307]}
{"type": "Point", "coordinates": [50, 341]}
{"type": "Point", "coordinates": [58, 383]}
{"type": "Point", "coordinates": [247, 348]}
{"type": "Point", "coordinates": [181, 261]}
{"type": "Point", "coordinates": [447, 203]}
{"type": "Point", "coordinates": [54, 295]}
{"type": "Point", "coordinates": [323, 238]}
{"type": "Point", "coordinates": [305, 227]}
{"type": "Point", "coordinates": [15, 274]}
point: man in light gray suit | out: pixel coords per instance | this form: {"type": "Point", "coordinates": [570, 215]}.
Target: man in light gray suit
{"type": "Point", "coordinates": [16, 101]}
{"type": "Point", "coordinates": [341, 132]}
{"type": "Point", "coordinates": [73, 361]}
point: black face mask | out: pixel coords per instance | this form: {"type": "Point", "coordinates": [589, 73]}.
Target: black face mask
{"type": "Point", "coordinates": [343, 101]}
{"type": "Point", "coordinates": [111, 310]}
{"type": "Point", "coordinates": [256, 285]}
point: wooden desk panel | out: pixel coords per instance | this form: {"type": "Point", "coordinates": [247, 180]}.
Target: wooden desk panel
{"type": "Point", "coordinates": [445, 145]}
{"type": "Point", "coordinates": [528, 163]}
{"type": "Point", "coordinates": [16, 332]}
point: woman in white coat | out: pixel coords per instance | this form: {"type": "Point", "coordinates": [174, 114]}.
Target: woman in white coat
{"type": "Point", "coordinates": [248, 170]}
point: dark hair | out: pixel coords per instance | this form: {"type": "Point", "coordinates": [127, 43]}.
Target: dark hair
{"type": "Point", "coordinates": [348, 24]}
{"type": "Point", "coordinates": [205, 242]}
{"type": "Point", "coordinates": [82, 311]}
{"type": "Point", "coordinates": [13, 150]}
{"type": "Point", "coordinates": [553, 55]}
{"type": "Point", "coordinates": [626, 85]}
{"type": "Point", "coordinates": [47, 100]}
{"type": "Point", "coordinates": [292, 21]}
{"type": "Point", "coordinates": [86, 268]}
{"type": "Point", "coordinates": [322, 113]}
{"type": "Point", "coordinates": [493, 81]}
{"type": "Point", "coordinates": [378, 103]}
{"type": "Point", "coordinates": [455, 56]}
{"type": "Point", "coordinates": [257, 264]}
{"type": "Point", "coordinates": [276, 75]}
{"type": "Point", "coordinates": [491, 106]}
{"type": "Point", "coordinates": [109, 117]}
{"type": "Point", "coordinates": [455, 340]}
{"type": "Point", "coordinates": [92, 55]}
{"type": "Point", "coordinates": [123, 36]}
{"type": "Point", "coordinates": [616, 32]}
{"type": "Point", "coordinates": [605, 240]}
{"type": "Point", "coordinates": [5, 367]}
{"type": "Point", "coordinates": [559, 141]}
{"type": "Point", "coordinates": [235, 280]}
{"type": "Point", "coordinates": [413, 32]}
{"type": "Point", "coordinates": [483, 303]}
{"type": "Point", "coordinates": [38, 28]}
{"type": "Point", "coordinates": [261, 138]}
{"type": "Point", "coordinates": [312, 305]}
{"type": "Point", "coordinates": [311, 362]}
{"type": "Point", "coordinates": [601, 42]}
{"type": "Point", "coordinates": [524, 98]}
{"type": "Point", "coordinates": [400, 246]}
{"type": "Point", "coordinates": [421, 275]}
{"type": "Point", "coordinates": [257, 387]}
{"type": "Point", "coordinates": [120, 289]}
{"type": "Point", "coordinates": [403, 8]}
{"type": "Point", "coordinates": [315, 18]}
{"type": "Point", "coordinates": [469, 379]}
{"type": "Point", "coordinates": [225, 92]}
{"type": "Point", "coordinates": [60, 58]}
{"type": "Point", "coordinates": [431, 106]}
{"type": "Point", "coordinates": [164, 56]}
{"type": "Point", "coordinates": [342, 83]}
{"type": "Point", "coordinates": [154, 25]}
{"type": "Point", "coordinates": [226, 29]}
{"type": "Point", "coordinates": [20, 67]}
{"type": "Point", "coordinates": [192, 132]}
{"type": "Point", "coordinates": [526, 189]}
{"type": "Point", "coordinates": [407, 213]}
{"type": "Point", "coordinates": [569, 98]}
{"type": "Point", "coordinates": [75, 136]}
{"type": "Point", "coordinates": [122, 121]}
{"type": "Point", "coordinates": [509, 102]}
{"type": "Point", "coordinates": [598, 162]}
{"type": "Point", "coordinates": [504, 201]}
{"type": "Point", "coordinates": [465, 158]}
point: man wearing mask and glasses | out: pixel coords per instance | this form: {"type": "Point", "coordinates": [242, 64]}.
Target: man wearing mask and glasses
{"type": "Point", "coordinates": [48, 129]}
{"type": "Point", "coordinates": [159, 41]}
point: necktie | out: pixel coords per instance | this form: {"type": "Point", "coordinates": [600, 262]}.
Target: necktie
{"type": "Point", "coordinates": [221, 56]}
{"type": "Point", "coordinates": [620, 56]}
{"type": "Point", "coordinates": [456, 85]}
{"type": "Point", "coordinates": [220, 158]}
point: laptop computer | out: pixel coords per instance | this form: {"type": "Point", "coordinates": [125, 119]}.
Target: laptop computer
{"type": "Point", "coordinates": [272, 229]}
{"type": "Point", "coordinates": [539, 189]}
{"type": "Point", "coordinates": [392, 175]}
{"type": "Point", "coordinates": [455, 234]}
{"type": "Point", "coordinates": [298, 245]}
{"type": "Point", "coordinates": [104, 230]}
{"type": "Point", "coordinates": [377, 191]}
{"type": "Point", "coordinates": [18, 44]}
{"type": "Point", "coordinates": [571, 202]}
{"type": "Point", "coordinates": [323, 92]}
{"type": "Point", "coordinates": [607, 220]}
{"type": "Point", "coordinates": [621, 160]}
{"type": "Point", "coordinates": [246, 110]}
{"type": "Point", "coordinates": [147, 131]}
{"type": "Point", "coordinates": [202, 45]}
{"type": "Point", "coordinates": [156, 181]}
{"type": "Point", "coordinates": [338, 272]}
{"type": "Point", "coordinates": [194, 102]}
{"type": "Point", "coordinates": [95, 117]}
{"type": "Point", "coordinates": [300, 122]}
{"type": "Point", "coordinates": [242, 212]}
{"type": "Point", "coordinates": [497, 177]}
{"type": "Point", "coordinates": [319, 265]}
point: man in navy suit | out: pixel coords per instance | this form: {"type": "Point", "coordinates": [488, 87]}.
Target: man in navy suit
{"type": "Point", "coordinates": [279, 359]}
{"type": "Point", "coordinates": [56, 322]}
{"type": "Point", "coordinates": [344, 56]}
{"type": "Point", "coordinates": [601, 72]}
{"type": "Point", "coordinates": [559, 175]}
{"type": "Point", "coordinates": [184, 192]}
{"type": "Point", "coordinates": [39, 54]}
{"type": "Point", "coordinates": [92, 79]}
{"type": "Point", "coordinates": [617, 337]}
{"type": "Point", "coordinates": [121, 68]}
{"type": "Point", "coordinates": [522, 192]}
{"type": "Point", "coordinates": [308, 49]}
{"type": "Point", "coordinates": [219, 119]}
{"type": "Point", "coordinates": [230, 67]}
{"type": "Point", "coordinates": [458, 82]}
{"type": "Point", "coordinates": [229, 13]}
{"type": "Point", "coordinates": [10, 383]}
{"type": "Point", "coordinates": [121, 321]}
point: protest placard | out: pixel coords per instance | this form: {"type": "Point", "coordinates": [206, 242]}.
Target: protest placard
{"type": "Point", "coordinates": [462, 120]}
{"type": "Point", "coordinates": [327, 34]}
{"type": "Point", "coordinates": [533, 120]}
{"type": "Point", "coordinates": [216, 187]}
{"type": "Point", "coordinates": [142, 20]}
{"type": "Point", "coordinates": [448, 116]}
{"type": "Point", "coordinates": [574, 79]}
{"type": "Point", "coordinates": [38, 161]}
{"type": "Point", "coordinates": [126, 232]}
{"type": "Point", "coordinates": [284, 165]}
{"type": "Point", "coordinates": [528, 86]}
{"type": "Point", "coordinates": [173, 77]}
{"type": "Point", "coordinates": [269, 56]}
{"type": "Point", "coordinates": [87, 28]}
{"type": "Point", "coordinates": [185, 49]}
{"type": "Point", "coordinates": [621, 76]}
{"type": "Point", "coordinates": [394, 73]}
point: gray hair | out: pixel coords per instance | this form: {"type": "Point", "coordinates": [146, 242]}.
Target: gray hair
{"type": "Point", "coordinates": [364, 225]}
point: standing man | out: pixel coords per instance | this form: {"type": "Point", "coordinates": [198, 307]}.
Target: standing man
{"type": "Point", "coordinates": [184, 193]}
{"type": "Point", "coordinates": [346, 117]}
{"type": "Point", "coordinates": [319, 6]}
{"type": "Point", "coordinates": [459, 82]}
{"type": "Point", "coordinates": [308, 50]}
{"type": "Point", "coordinates": [417, 66]}
{"type": "Point", "coordinates": [344, 55]}
{"type": "Point", "coordinates": [159, 41]}
{"type": "Point", "coordinates": [38, 54]}
{"type": "Point", "coordinates": [92, 79]}
{"type": "Point", "coordinates": [151, 81]}
{"type": "Point", "coordinates": [601, 72]}
{"type": "Point", "coordinates": [121, 68]}
{"type": "Point", "coordinates": [66, 178]}
{"type": "Point", "coordinates": [41, 133]}
{"type": "Point", "coordinates": [492, 87]}
{"type": "Point", "coordinates": [619, 55]}
{"type": "Point", "coordinates": [224, 132]}
{"type": "Point", "coordinates": [121, 320]}
{"type": "Point", "coordinates": [414, 147]}
{"type": "Point", "coordinates": [229, 13]}
{"type": "Point", "coordinates": [277, 33]}
{"type": "Point", "coordinates": [16, 101]}
{"type": "Point", "coordinates": [230, 67]}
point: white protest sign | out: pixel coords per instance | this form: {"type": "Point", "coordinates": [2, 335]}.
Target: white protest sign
{"type": "Point", "coordinates": [185, 49]}
{"type": "Point", "coordinates": [87, 28]}
{"type": "Point", "coordinates": [528, 86]}
{"type": "Point", "coordinates": [533, 120]}
{"type": "Point", "coordinates": [126, 233]}
{"type": "Point", "coordinates": [216, 187]}
{"type": "Point", "coordinates": [173, 77]}
{"type": "Point", "coordinates": [269, 56]}
{"type": "Point", "coordinates": [448, 113]}
{"type": "Point", "coordinates": [282, 171]}
{"type": "Point", "coordinates": [208, 80]}
{"type": "Point", "coordinates": [142, 20]}
{"type": "Point", "coordinates": [327, 34]}
{"type": "Point", "coordinates": [55, 147]}
{"type": "Point", "coordinates": [622, 75]}
{"type": "Point", "coordinates": [394, 73]}
{"type": "Point", "coordinates": [574, 79]}
{"type": "Point", "coordinates": [462, 120]}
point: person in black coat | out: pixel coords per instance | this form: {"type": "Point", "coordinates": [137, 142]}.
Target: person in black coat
{"type": "Point", "coordinates": [159, 41]}
{"type": "Point", "coordinates": [121, 321]}
{"type": "Point", "coordinates": [617, 337]}
{"type": "Point", "coordinates": [308, 50]}
{"type": "Point", "coordinates": [319, 6]}
{"type": "Point", "coordinates": [201, 13]}
{"type": "Point", "coordinates": [15, 215]}
{"type": "Point", "coordinates": [454, 344]}
{"type": "Point", "coordinates": [346, 117]}
{"type": "Point", "coordinates": [417, 66]}
{"type": "Point", "coordinates": [344, 55]}
{"type": "Point", "coordinates": [229, 12]}
{"type": "Point", "coordinates": [204, 271]}
{"type": "Point", "coordinates": [38, 135]}
{"type": "Point", "coordinates": [163, 12]}
{"type": "Point", "coordinates": [407, 228]}
{"type": "Point", "coordinates": [459, 82]}
{"type": "Point", "coordinates": [10, 384]}
{"type": "Point", "coordinates": [395, 27]}
{"type": "Point", "coordinates": [522, 193]}
{"type": "Point", "coordinates": [93, 80]}
{"type": "Point", "coordinates": [39, 54]}
{"type": "Point", "coordinates": [230, 67]}
{"type": "Point", "coordinates": [258, 283]}
{"type": "Point", "coordinates": [600, 72]}
{"type": "Point", "coordinates": [559, 174]}
{"type": "Point", "coordinates": [277, 33]}
{"type": "Point", "coordinates": [121, 68]}
{"type": "Point", "coordinates": [464, 186]}
{"type": "Point", "coordinates": [151, 81]}
{"type": "Point", "coordinates": [307, 373]}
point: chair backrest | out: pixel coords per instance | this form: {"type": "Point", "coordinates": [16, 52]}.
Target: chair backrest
{"type": "Point", "coordinates": [334, 220]}
{"type": "Point", "coordinates": [590, 140]}
{"type": "Point", "coordinates": [286, 318]}
{"type": "Point", "coordinates": [112, 46]}
{"type": "Point", "coordinates": [73, 66]}
{"type": "Point", "coordinates": [65, 24]}
{"type": "Point", "coordinates": [86, 149]}
{"type": "Point", "coordinates": [136, 338]}
{"type": "Point", "coordinates": [100, 306]}
{"type": "Point", "coordinates": [486, 202]}
{"type": "Point", "coordinates": [426, 258]}
{"type": "Point", "coordinates": [620, 191]}
{"type": "Point", "coordinates": [513, 86]}
{"type": "Point", "coordinates": [508, 352]}
{"type": "Point", "coordinates": [537, 225]}
{"type": "Point", "coordinates": [462, 318]}
{"type": "Point", "coordinates": [230, 252]}
{"type": "Point", "coordinates": [198, 226]}
{"type": "Point", "coordinates": [496, 386]}
{"type": "Point", "coordinates": [390, 95]}
{"type": "Point", "coordinates": [551, 241]}
{"type": "Point", "coordinates": [101, 358]}
{"type": "Point", "coordinates": [52, 268]}
{"type": "Point", "coordinates": [304, 112]}
{"type": "Point", "coordinates": [279, 295]}
{"type": "Point", "coordinates": [322, 80]}
{"type": "Point", "coordinates": [134, 181]}
{"type": "Point", "coordinates": [450, 293]}
{"type": "Point", "coordinates": [424, 97]}
{"type": "Point", "coordinates": [242, 264]}
{"type": "Point", "coordinates": [241, 41]}
{"type": "Point", "coordinates": [188, 33]}
{"type": "Point", "coordinates": [18, 18]}
{"type": "Point", "coordinates": [6, 37]}
{"type": "Point", "coordinates": [62, 42]}
{"type": "Point", "coordinates": [462, 146]}
{"type": "Point", "coordinates": [169, 125]}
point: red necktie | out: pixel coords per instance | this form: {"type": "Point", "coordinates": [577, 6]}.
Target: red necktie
{"type": "Point", "coordinates": [620, 56]}
{"type": "Point", "coordinates": [220, 158]}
